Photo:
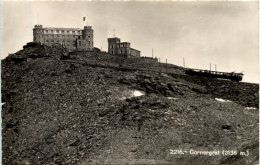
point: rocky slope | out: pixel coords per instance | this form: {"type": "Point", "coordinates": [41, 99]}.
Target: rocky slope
{"type": "Point", "coordinates": [85, 111]}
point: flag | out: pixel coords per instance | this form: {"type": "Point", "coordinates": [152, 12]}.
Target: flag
{"type": "Point", "coordinates": [84, 18]}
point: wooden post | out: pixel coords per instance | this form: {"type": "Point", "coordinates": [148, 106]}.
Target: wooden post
{"type": "Point", "coordinates": [160, 64]}
{"type": "Point", "coordinates": [166, 66]}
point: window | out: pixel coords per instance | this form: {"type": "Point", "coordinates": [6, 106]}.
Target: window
{"type": "Point", "coordinates": [89, 43]}
{"type": "Point", "coordinates": [79, 43]}
{"type": "Point", "coordinates": [73, 32]}
{"type": "Point", "coordinates": [88, 36]}
{"type": "Point", "coordinates": [57, 31]}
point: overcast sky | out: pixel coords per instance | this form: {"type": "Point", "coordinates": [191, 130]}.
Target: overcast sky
{"type": "Point", "coordinates": [222, 33]}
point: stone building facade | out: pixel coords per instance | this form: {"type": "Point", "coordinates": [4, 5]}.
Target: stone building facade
{"type": "Point", "coordinates": [71, 38]}
{"type": "Point", "coordinates": [121, 48]}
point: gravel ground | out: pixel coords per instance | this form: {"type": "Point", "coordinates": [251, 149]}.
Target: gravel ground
{"type": "Point", "coordinates": [64, 112]}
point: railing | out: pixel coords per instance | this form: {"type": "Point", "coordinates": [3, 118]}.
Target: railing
{"type": "Point", "coordinates": [215, 74]}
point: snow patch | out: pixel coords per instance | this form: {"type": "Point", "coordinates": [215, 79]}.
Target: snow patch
{"type": "Point", "coordinates": [250, 108]}
{"type": "Point", "coordinates": [137, 93]}
{"type": "Point", "coordinates": [222, 100]}
{"type": "Point", "coordinates": [131, 93]}
{"type": "Point", "coordinates": [172, 98]}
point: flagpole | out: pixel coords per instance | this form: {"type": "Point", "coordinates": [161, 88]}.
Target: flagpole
{"type": "Point", "coordinates": [87, 20]}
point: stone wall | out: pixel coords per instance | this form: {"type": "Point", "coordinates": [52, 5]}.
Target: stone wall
{"type": "Point", "coordinates": [135, 52]}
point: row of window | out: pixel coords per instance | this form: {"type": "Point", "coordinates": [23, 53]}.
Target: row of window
{"type": "Point", "coordinates": [62, 31]}
{"type": "Point", "coordinates": [63, 36]}
{"type": "Point", "coordinates": [120, 52]}
{"type": "Point", "coordinates": [119, 46]}
{"type": "Point", "coordinates": [68, 44]}
{"type": "Point", "coordinates": [60, 36]}
{"type": "Point", "coordinates": [64, 41]}
{"type": "Point", "coordinates": [80, 37]}
{"type": "Point", "coordinates": [89, 43]}
{"type": "Point", "coordinates": [58, 41]}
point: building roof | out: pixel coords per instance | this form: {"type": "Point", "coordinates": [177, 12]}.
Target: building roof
{"type": "Point", "coordinates": [114, 38]}
{"type": "Point", "coordinates": [135, 49]}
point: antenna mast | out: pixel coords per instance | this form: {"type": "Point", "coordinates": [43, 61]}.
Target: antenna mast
{"type": "Point", "coordinates": [114, 32]}
{"type": "Point", "coordinates": [87, 20]}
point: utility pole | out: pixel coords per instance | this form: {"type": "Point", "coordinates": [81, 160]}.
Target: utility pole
{"type": "Point", "coordinates": [152, 52]}
{"type": "Point", "coordinates": [210, 66]}
{"type": "Point", "coordinates": [166, 66]}
{"type": "Point", "coordinates": [215, 67]}
{"type": "Point", "coordinates": [183, 62]}
{"type": "Point", "coordinates": [160, 64]}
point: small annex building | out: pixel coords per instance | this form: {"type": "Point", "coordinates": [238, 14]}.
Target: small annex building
{"type": "Point", "coordinates": [121, 48]}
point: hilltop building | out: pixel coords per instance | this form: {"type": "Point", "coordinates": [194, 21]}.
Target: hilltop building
{"type": "Point", "coordinates": [71, 38]}
{"type": "Point", "coordinates": [121, 48]}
